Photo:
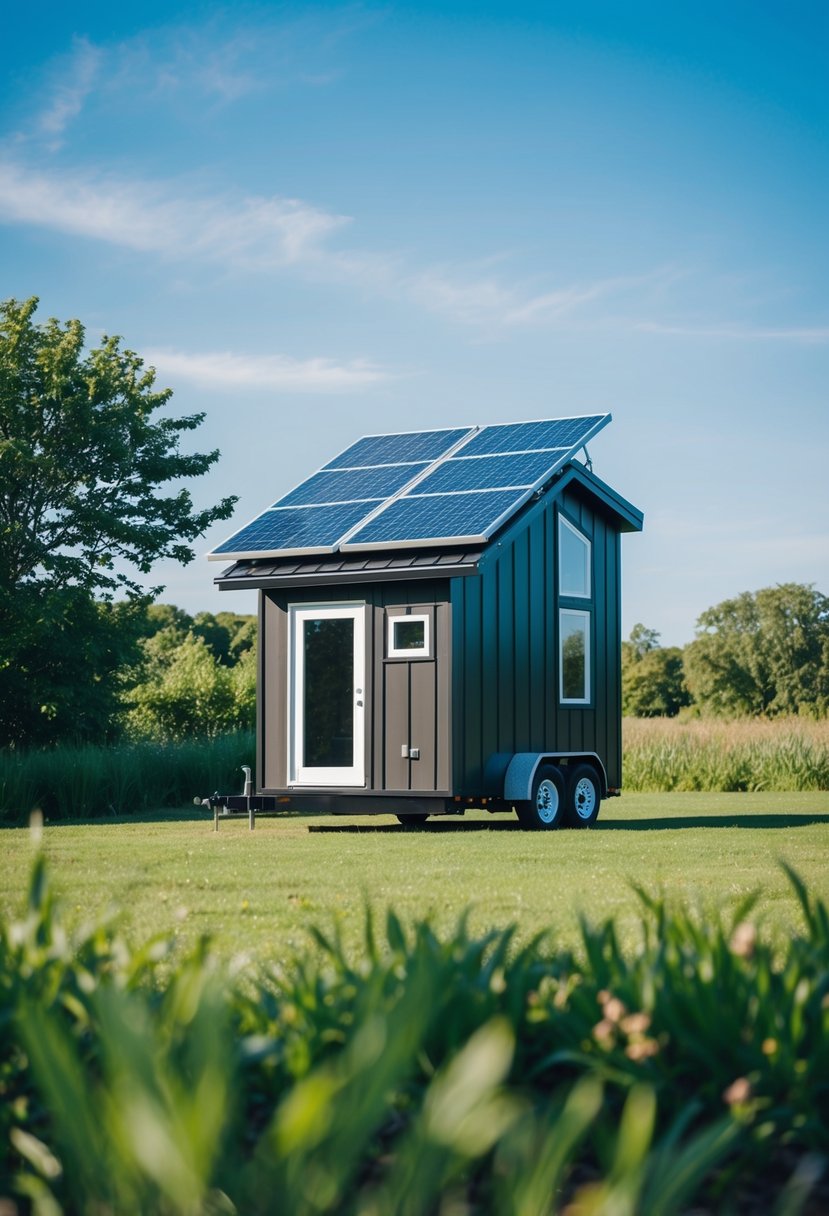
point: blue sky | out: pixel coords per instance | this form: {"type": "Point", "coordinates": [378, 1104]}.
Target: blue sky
{"type": "Point", "coordinates": [319, 221]}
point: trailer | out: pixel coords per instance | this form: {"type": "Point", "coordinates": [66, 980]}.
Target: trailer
{"type": "Point", "coordinates": [440, 628]}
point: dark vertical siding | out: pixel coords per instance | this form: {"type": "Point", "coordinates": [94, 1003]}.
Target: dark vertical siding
{"type": "Point", "coordinates": [492, 684]}
{"type": "Point", "coordinates": [522, 595]}
{"type": "Point", "coordinates": [423, 773]}
{"type": "Point", "coordinates": [506, 637]}
{"type": "Point", "coordinates": [538, 609]}
{"type": "Point", "coordinates": [502, 573]}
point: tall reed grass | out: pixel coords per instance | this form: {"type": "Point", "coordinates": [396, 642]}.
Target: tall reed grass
{"type": "Point", "coordinates": [87, 782]}
{"type": "Point", "coordinates": [663, 754]}
{"type": "Point", "coordinates": [660, 754]}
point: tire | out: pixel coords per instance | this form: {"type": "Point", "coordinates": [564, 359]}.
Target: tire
{"type": "Point", "coordinates": [545, 809]}
{"type": "Point", "coordinates": [584, 797]}
{"type": "Point", "coordinates": [412, 821]}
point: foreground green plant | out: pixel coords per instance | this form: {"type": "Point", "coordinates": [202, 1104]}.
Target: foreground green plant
{"type": "Point", "coordinates": [428, 1074]}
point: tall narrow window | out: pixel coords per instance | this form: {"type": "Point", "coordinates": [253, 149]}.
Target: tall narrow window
{"type": "Point", "coordinates": [574, 656]}
{"type": "Point", "coordinates": [573, 561]}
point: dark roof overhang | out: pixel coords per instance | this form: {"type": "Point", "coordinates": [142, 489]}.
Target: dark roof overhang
{"type": "Point", "coordinates": [626, 517]}
{"type": "Point", "coordinates": [371, 568]}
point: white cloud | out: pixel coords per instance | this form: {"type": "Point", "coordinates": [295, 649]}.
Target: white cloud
{"type": "Point", "coordinates": [248, 232]}
{"type": "Point", "coordinates": [489, 301]}
{"type": "Point", "coordinates": [808, 335]}
{"type": "Point", "coordinates": [71, 89]}
{"type": "Point", "coordinates": [279, 373]}
{"type": "Point", "coordinates": [259, 233]}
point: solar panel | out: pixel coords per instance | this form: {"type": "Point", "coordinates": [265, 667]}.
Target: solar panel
{"type": "Point", "coordinates": [294, 530]}
{"type": "Point", "coordinates": [395, 449]}
{"type": "Point", "coordinates": [522, 455]}
{"type": "Point", "coordinates": [434, 518]}
{"type": "Point", "coordinates": [415, 488]}
{"type": "Point", "coordinates": [352, 485]}
{"type": "Point", "coordinates": [485, 472]}
{"type": "Point", "coordinates": [568, 433]}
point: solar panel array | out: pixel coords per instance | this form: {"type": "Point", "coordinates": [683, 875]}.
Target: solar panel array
{"type": "Point", "coordinates": [415, 489]}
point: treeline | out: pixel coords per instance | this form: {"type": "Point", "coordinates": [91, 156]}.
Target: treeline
{"type": "Point", "coordinates": [103, 673]}
{"type": "Point", "coordinates": [761, 654]}
{"type": "Point", "coordinates": [134, 671]}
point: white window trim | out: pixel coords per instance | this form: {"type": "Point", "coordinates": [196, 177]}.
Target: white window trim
{"type": "Point", "coordinates": [422, 652]}
{"type": "Point", "coordinates": [585, 616]}
{"type": "Point", "coordinates": [562, 519]}
{"type": "Point", "coordinates": [299, 774]}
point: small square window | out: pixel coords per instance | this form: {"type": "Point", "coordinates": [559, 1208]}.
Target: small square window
{"type": "Point", "coordinates": [408, 637]}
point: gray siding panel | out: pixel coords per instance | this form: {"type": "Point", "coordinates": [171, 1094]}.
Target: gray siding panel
{"type": "Point", "coordinates": [394, 689]}
{"type": "Point", "coordinates": [394, 728]}
{"type": "Point", "coordinates": [423, 711]}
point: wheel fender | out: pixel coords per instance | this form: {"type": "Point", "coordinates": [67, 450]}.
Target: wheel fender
{"type": "Point", "coordinates": [518, 781]}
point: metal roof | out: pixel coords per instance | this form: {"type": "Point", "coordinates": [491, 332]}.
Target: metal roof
{"type": "Point", "coordinates": [300, 572]}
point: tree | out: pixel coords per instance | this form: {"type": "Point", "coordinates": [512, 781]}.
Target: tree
{"type": "Point", "coordinates": [191, 694]}
{"type": "Point", "coordinates": [84, 466]}
{"type": "Point", "coordinates": [763, 652]}
{"type": "Point", "coordinates": [653, 683]}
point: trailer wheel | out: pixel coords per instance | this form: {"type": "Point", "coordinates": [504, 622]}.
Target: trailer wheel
{"type": "Point", "coordinates": [412, 821]}
{"type": "Point", "coordinates": [545, 809]}
{"type": "Point", "coordinates": [583, 797]}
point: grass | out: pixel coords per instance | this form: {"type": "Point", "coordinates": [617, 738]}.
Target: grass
{"type": "Point", "coordinates": [706, 754]}
{"type": "Point", "coordinates": [256, 892]}
{"type": "Point", "coordinates": [67, 782]}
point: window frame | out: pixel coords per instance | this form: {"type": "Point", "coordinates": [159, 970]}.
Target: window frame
{"type": "Point", "coordinates": [586, 615]}
{"type": "Point", "coordinates": [577, 532]}
{"type": "Point", "coordinates": [398, 652]}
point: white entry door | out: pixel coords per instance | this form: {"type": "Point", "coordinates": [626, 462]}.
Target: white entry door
{"type": "Point", "coordinates": [326, 695]}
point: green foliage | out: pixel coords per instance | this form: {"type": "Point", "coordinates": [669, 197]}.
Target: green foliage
{"type": "Point", "coordinates": [65, 660]}
{"type": "Point", "coordinates": [68, 782]}
{"type": "Point", "coordinates": [765, 652]}
{"type": "Point", "coordinates": [196, 677]}
{"type": "Point", "coordinates": [84, 464]}
{"type": "Point", "coordinates": [653, 683]}
{"type": "Point", "coordinates": [192, 694]}
{"type": "Point", "coordinates": [428, 1074]}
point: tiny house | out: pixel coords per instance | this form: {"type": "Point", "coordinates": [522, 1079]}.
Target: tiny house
{"type": "Point", "coordinates": [439, 627]}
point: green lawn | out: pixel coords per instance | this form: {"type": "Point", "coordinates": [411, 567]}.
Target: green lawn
{"type": "Point", "coordinates": [257, 891]}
